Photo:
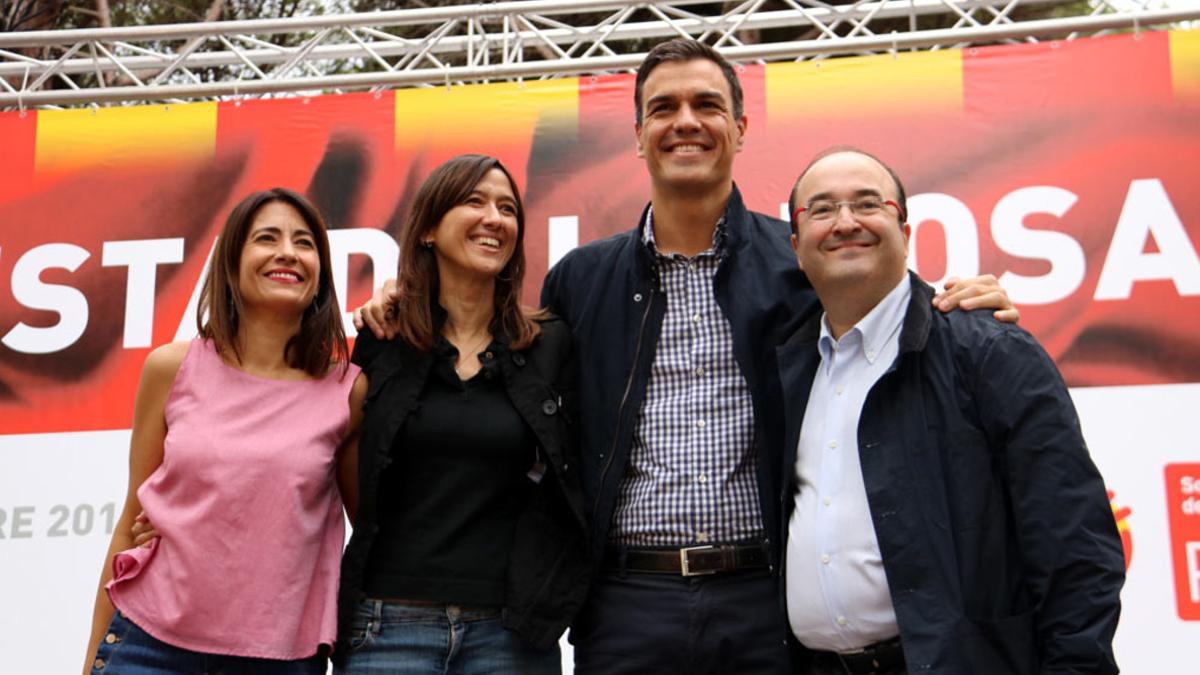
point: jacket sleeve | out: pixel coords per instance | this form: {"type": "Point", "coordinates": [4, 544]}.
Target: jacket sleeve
{"type": "Point", "coordinates": [366, 348]}
{"type": "Point", "coordinates": [1073, 558]}
{"type": "Point", "coordinates": [550, 286]}
{"type": "Point", "coordinates": [567, 385]}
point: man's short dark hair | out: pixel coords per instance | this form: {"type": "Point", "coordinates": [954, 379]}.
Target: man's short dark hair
{"type": "Point", "coordinates": [681, 50]}
{"type": "Point", "coordinates": [901, 198]}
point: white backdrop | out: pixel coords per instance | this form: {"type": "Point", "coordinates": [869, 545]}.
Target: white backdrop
{"type": "Point", "coordinates": [56, 491]}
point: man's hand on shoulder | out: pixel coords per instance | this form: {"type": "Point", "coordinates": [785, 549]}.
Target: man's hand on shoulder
{"type": "Point", "coordinates": [379, 313]}
{"type": "Point", "coordinates": [981, 292]}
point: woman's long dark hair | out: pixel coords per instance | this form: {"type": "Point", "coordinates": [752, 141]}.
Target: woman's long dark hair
{"type": "Point", "coordinates": [417, 280]}
{"type": "Point", "coordinates": [321, 339]}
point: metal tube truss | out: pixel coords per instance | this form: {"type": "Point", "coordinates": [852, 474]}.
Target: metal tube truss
{"type": "Point", "coordinates": [509, 41]}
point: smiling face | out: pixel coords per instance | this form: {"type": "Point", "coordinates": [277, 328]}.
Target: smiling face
{"type": "Point", "coordinates": [279, 266]}
{"type": "Point", "coordinates": [477, 237]}
{"type": "Point", "coordinates": [688, 134]}
{"type": "Point", "coordinates": [864, 254]}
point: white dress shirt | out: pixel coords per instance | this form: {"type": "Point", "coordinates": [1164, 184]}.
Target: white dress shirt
{"type": "Point", "coordinates": [837, 592]}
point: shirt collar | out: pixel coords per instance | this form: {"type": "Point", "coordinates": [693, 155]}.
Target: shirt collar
{"type": "Point", "coordinates": [718, 238]}
{"type": "Point", "coordinates": [874, 330]}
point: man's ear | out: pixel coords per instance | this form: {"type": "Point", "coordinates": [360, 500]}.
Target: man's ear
{"type": "Point", "coordinates": [742, 123]}
{"type": "Point", "coordinates": [906, 229]}
{"type": "Point", "coordinates": [637, 139]}
{"type": "Point", "coordinates": [796, 250]}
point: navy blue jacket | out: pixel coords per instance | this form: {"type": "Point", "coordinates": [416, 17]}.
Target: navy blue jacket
{"type": "Point", "coordinates": [609, 293]}
{"type": "Point", "coordinates": [998, 540]}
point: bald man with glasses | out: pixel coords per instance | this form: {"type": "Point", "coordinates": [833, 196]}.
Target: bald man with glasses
{"type": "Point", "coordinates": [941, 511]}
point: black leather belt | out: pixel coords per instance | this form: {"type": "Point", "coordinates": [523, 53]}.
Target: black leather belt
{"type": "Point", "coordinates": [690, 561]}
{"type": "Point", "coordinates": [881, 657]}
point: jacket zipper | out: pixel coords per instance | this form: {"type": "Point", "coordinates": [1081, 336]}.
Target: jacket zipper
{"type": "Point", "coordinates": [637, 353]}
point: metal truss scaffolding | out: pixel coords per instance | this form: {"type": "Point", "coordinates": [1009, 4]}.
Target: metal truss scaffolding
{"type": "Point", "coordinates": [499, 41]}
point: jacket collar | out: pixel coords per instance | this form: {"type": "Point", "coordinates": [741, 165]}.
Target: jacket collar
{"type": "Point", "coordinates": [918, 319]}
{"type": "Point", "coordinates": [735, 221]}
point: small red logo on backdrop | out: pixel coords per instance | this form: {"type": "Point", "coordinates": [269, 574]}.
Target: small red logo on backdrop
{"type": "Point", "coordinates": [1183, 515]}
{"type": "Point", "coordinates": [1121, 515]}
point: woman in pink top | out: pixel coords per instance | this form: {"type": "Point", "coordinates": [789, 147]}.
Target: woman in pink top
{"type": "Point", "coordinates": [243, 450]}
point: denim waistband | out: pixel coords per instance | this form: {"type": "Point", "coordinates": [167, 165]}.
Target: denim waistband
{"type": "Point", "coordinates": [391, 611]}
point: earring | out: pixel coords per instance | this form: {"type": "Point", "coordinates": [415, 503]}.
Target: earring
{"type": "Point", "coordinates": [428, 243]}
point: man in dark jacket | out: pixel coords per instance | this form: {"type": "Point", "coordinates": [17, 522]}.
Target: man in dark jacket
{"type": "Point", "coordinates": [942, 514]}
{"type": "Point", "coordinates": [675, 323]}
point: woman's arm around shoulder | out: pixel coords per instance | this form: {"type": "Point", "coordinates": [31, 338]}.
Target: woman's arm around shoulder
{"type": "Point", "coordinates": [347, 471]}
{"type": "Point", "coordinates": [145, 455]}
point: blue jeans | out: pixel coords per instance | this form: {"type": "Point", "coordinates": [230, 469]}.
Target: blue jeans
{"type": "Point", "coordinates": [389, 637]}
{"type": "Point", "coordinates": [128, 650]}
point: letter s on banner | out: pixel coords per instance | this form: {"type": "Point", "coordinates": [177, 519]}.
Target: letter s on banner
{"type": "Point", "coordinates": [69, 303]}
{"type": "Point", "coordinates": [1067, 261]}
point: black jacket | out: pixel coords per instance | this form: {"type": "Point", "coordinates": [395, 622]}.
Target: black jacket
{"type": "Point", "coordinates": [549, 568]}
{"type": "Point", "coordinates": [609, 293]}
{"type": "Point", "coordinates": [998, 540]}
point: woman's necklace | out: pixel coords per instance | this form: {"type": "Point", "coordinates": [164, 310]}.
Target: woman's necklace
{"type": "Point", "coordinates": [466, 354]}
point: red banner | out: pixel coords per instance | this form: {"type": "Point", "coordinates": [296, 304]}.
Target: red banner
{"type": "Point", "coordinates": [1066, 169]}
{"type": "Point", "coordinates": [1183, 514]}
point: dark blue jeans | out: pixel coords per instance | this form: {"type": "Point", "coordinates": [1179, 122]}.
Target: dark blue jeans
{"type": "Point", "coordinates": [129, 650]}
{"type": "Point", "coordinates": [389, 637]}
{"type": "Point", "coordinates": [647, 623]}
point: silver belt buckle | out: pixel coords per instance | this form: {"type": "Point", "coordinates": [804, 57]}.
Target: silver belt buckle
{"type": "Point", "coordinates": [685, 569]}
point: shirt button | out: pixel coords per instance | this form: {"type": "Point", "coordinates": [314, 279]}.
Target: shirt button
{"type": "Point", "coordinates": [842, 621]}
{"type": "Point", "coordinates": [833, 445]}
{"type": "Point", "coordinates": [839, 389]}
{"type": "Point", "coordinates": [699, 424]}
{"type": "Point", "coordinates": [702, 478]}
{"type": "Point", "coordinates": [827, 501]}
{"type": "Point", "coordinates": [98, 664]}
{"type": "Point", "coordinates": [696, 318]}
{"type": "Point", "coordinates": [110, 638]}
{"type": "Point", "coordinates": [870, 354]}
{"type": "Point", "coordinates": [702, 537]}
{"type": "Point", "coordinates": [825, 559]}
{"type": "Point", "coordinates": [700, 370]}
{"type": "Point", "coordinates": [637, 297]}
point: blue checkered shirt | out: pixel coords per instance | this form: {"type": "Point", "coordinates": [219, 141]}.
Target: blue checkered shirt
{"type": "Point", "coordinates": [691, 475]}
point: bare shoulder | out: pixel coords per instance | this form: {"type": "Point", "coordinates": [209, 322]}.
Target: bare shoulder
{"type": "Point", "coordinates": [358, 392]}
{"type": "Point", "coordinates": [163, 362]}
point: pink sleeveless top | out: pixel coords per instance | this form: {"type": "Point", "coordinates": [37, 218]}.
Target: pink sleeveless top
{"type": "Point", "coordinates": [248, 508]}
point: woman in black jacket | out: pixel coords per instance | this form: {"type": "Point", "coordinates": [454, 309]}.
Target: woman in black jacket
{"type": "Point", "coordinates": [469, 551]}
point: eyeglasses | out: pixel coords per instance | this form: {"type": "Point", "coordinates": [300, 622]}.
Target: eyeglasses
{"type": "Point", "coordinates": [863, 207]}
